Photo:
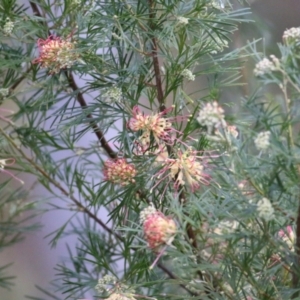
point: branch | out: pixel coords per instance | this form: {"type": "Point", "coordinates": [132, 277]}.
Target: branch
{"type": "Point", "coordinates": [172, 276]}
{"type": "Point", "coordinates": [58, 186]}
{"type": "Point", "coordinates": [81, 100]}
{"type": "Point", "coordinates": [160, 94]}
{"type": "Point", "coordinates": [19, 80]}
{"type": "Point", "coordinates": [110, 152]}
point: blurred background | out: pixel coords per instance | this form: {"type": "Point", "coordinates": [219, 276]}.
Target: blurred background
{"type": "Point", "coordinates": [33, 259]}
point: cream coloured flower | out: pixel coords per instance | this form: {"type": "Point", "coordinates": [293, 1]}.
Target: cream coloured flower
{"type": "Point", "coordinates": [184, 170]}
{"type": "Point", "coordinates": [182, 20]}
{"type": "Point", "coordinates": [119, 171]}
{"type": "Point", "coordinates": [265, 66]}
{"type": "Point", "coordinates": [291, 35]}
{"type": "Point", "coordinates": [265, 209]}
{"type": "Point", "coordinates": [187, 74]}
{"type": "Point", "coordinates": [262, 141]}
{"type": "Point", "coordinates": [211, 115]}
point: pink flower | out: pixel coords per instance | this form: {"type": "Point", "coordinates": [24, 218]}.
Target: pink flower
{"type": "Point", "coordinates": [119, 171]}
{"type": "Point", "coordinates": [288, 236]}
{"type": "Point", "coordinates": [56, 54]}
{"type": "Point", "coordinates": [186, 169]}
{"type": "Point", "coordinates": [158, 229]}
{"type": "Point", "coordinates": [157, 125]}
{"type": "Point", "coordinates": [5, 119]}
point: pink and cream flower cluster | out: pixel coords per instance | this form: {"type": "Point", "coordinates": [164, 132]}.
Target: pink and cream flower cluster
{"type": "Point", "coordinates": [187, 169]}
{"type": "Point", "coordinates": [56, 54]}
{"type": "Point", "coordinates": [158, 229]}
{"type": "Point", "coordinates": [184, 167]}
{"type": "Point", "coordinates": [156, 124]}
{"type": "Point", "coordinates": [119, 171]}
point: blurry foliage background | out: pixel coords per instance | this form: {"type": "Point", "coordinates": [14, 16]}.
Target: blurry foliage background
{"type": "Point", "coordinates": [33, 259]}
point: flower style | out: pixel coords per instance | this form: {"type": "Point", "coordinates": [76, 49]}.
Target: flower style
{"type": "Point", "coordinates": [218, 44]}
{"type": "Point", "coordinates": [155, 124]}
{"type": "Point", "coordinates": [186, 169]}
{"type": "Point", "coordinates": [6, 119]}
{"type": "Point", "coordinates": [158, 229]}
{"type": "Point", "coordinates": [225, 135]}
{"type": "Point", "coordinates": [8, 162]}
{"type": "Point", "coordinates": [119, 171]}
{"type": "Point", "coordinates": [288, 236]}
{"type": "Point", "coordinates": [212, 116]}
{"type": "Point", "coordinates": [56, 54]}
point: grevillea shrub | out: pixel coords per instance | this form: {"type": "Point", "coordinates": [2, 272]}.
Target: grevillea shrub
{"type": "Point", "coordinates": [174, 190]}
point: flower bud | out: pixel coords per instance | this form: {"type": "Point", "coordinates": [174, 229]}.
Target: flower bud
{"type": "Point", "coordinates": [158, 229]}
{"type": "Point", "coordinates": [119, 171]}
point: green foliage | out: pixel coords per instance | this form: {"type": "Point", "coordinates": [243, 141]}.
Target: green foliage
{"type": "Point", "coordinates": [109, 121]}
{"type": "Point", "coordinates": [16, 216]}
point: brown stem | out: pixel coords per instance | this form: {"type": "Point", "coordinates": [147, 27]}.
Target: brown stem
{"type": "Point", "coordinates": [162, 107]}
{"type": "Point", "coordinates": [172, 276]}
{"type": "Point", "coordinates": [37, 13]}
{"type": "Point", "coordinates": [192, 236]}
{"type": "Point", "coordinates": [110, 152]}
{"type": "Point", "coordinates": [78, 204]}
{"type": "Point", "coordinates": [19, 80]}
{"type": "Point", "coordinates": [104, 143]}
{"type": "Point", "coordinates": [82, 101]}
{"type": "Point", "coordinates": [160, 94]}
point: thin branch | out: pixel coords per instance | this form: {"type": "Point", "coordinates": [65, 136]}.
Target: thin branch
{"type": "Point", "coordinates": [102, 139]}
{"type": "Point", "coordinates": [19, 80]}
{"type": "Point", "coordinates": [81, 100]}
{"type": "Point", "coordinates": [37, 13]}
{"type": "Point", "coordinates": [160, 94]}
{"type": "Point", "coordinates": [172, 276]}
{"type": "Point", "coordinates": [287, 102]}
{"type": "Point", "coordinates": [80, 206]}
{"type": "Point", "coordinates": [110, 152]}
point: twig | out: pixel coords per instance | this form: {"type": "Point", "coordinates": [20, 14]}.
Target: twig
{"type": "Point", "coordinates": [287, 102]}
{"type": "Point", "coordinates": [102, 139]}
{"type": "Point", "coordinates": [15, 85]}
{"type": "Point", "coordinates": [160, 94]}
{"type": "Point", "coordinates": [58, 186]}
{"type": "Point", "coordinates": [172, 276]}
{"type": "Point", "coordinates": [110, 152]}
{"type": "Point", "coordinates": [82, 101]}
